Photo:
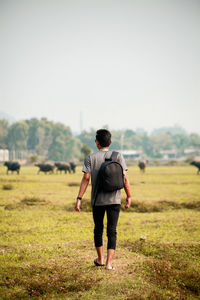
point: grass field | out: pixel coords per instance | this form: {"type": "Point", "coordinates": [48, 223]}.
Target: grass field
{"type": "Point", "coordinates": [47, 252]}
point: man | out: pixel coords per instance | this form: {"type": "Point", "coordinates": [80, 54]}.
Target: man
{"type": "Point", "coordinates": [108, 202]}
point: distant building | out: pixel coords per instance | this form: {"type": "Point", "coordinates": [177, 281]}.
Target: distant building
{"type": "Point", "coordinates": [131, 154]}
{"type": "Point", "coordinates": [169, 154]}
{"type": "Point", "coordinates": [4, 155]}
{"type": "Point", "coordinates": [191, 151]}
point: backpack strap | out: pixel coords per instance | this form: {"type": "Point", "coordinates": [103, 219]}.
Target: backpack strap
{"type": "Point", "coordinates": [96, 187]}
{"type": "Point", "coordinates": [114, 156]}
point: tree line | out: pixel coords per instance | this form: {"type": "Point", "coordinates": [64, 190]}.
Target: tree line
{"type": "Point", "coordinates": [50, 140]}
{"type": "Point", "coordinates": [151, 144]}
{"type": "Point", "coordinates": [55, 141]}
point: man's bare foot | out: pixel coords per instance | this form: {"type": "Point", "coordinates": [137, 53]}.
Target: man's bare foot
{"type": "Point", "coordinates": [110, 268]}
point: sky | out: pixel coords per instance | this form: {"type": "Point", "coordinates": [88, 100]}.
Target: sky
{"type": "Point", "coordinates": [89, 63]}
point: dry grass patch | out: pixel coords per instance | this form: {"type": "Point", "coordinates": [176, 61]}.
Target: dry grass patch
{"type": "Point", "coordinates": [160, 206]}
{"type": "Point", "coordinates": [25, 202]}
{"type": "Point", "coordinates": [169, 266]}
{"type": "Point", "coordinates": [143, 207]}
{"type": "Point", "coordinates": [7, 187]}
{"type": "Point", "coordinates": [191, 205]}
{"type": "Point", "coordinates": [73, 184]}
{"type": "Point", "coordinates": [34, 281]}
{"type": "Point", "coordinates": [33, 201]}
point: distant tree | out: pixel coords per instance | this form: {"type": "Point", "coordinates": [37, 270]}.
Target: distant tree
{"type": "Point", "coordinates": [194, 140]}
{"type": "Point", "coordinates": [75, 149]}
{"type": "Point", "coordinates": [17, 136]}
{"type": "Point", "coordinates": [45, 135]}
{"type": "Point", "coordinates": [173, 130]}
{"type": "Point", "coordinates": [162, 141]}
{"type": "Point", "coordinates": [52, 140]}
{"type": "Point", "coordinates": [148, 146]}
{"type": "Point", "coordinates": [117, 140]}
{"type": "Point", "coordinates": [88, 138]}
{"type": "Point", "coordinates": [134, 140]}
{"type": "Point", "coordinates": [4, 127]}
{"type": "Point", "coordinates": [60, 147]}
{"type": "Point", "coordinates": [39, 135]}
{"type": "Point", "coordinates": [32, 141]}
{"type": "Point", "coordinates": [85, 150]}
{"type": "Point", "coordinates": [180, 142]}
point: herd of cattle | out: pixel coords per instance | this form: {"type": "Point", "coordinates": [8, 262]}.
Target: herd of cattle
{"type": "Point", "coordinates": [68, 167]}
{"type": "Point", "coordinates": [14, 166]}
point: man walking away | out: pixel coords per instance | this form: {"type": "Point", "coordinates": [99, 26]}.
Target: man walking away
{"type": "Point", "coordinates": [102, 201]}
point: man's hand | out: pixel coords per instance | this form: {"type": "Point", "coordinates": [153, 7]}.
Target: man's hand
{"type": "Point", "coordinates": [84, 183]}
{"type": "Point", "coordinates": [128, 202]}
{"type": "Point", "coordinates": [78, 205]}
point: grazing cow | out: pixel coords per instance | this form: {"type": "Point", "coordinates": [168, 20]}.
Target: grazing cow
{"type": "Point", "coordinates": [45, 168]}
{"type": "Point", "coordinates": [63, 167]}
{"type": "Point", "coordinates": [12, 166]}
{"type": "Point", "coordinates": [73, 167]}
{"type": "Point", "coordinates": [196, 164]}
{"type": "Point", "coordinates": [142, 166]}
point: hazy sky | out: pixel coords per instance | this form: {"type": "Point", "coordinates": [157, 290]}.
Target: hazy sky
{"type": "Point", "coordinates": [124, 63]}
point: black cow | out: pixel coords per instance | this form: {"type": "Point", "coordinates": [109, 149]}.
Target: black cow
{"type": "Point", "coordinates": [73, 167]}
{"type": "Point", "coordinates": [12, 166]}
{"type": "Point", "coordinates": [63, 167]}
{"type": "Point", "coordinates": [45, 168]}
{"type": "Point", "coordinates": [142, 166]}
{"type": "Point", "coordinates": [196, 164]}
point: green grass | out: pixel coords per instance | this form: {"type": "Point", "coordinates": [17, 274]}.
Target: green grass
{"type": "Point", "coordinates": [47, 252]}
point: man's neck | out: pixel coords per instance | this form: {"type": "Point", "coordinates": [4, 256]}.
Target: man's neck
{"type": "Point", "coordinates": [104, 149]}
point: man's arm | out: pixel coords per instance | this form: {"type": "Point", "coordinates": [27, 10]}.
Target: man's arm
{"type": "Point", "coordinates": [83, 186]}
{"type": "Point", "coordinates": [127, 190]}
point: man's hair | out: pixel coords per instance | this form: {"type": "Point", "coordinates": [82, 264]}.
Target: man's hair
{"type": "Point", "coordinates": [103, 136]}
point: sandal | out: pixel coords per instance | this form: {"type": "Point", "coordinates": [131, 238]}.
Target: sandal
{"type": "Point", "coordinates": [97, 264]}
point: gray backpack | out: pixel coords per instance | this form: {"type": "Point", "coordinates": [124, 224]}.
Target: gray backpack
{"type": "Point", "coordinates": [110, 177]}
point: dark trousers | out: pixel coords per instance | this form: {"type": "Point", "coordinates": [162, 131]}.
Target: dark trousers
{"type": "Point", "coordinates": [112, 212]}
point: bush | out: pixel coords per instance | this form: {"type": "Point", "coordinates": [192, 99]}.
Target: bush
{"type": "Point", "coordinates": [33, 158]}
